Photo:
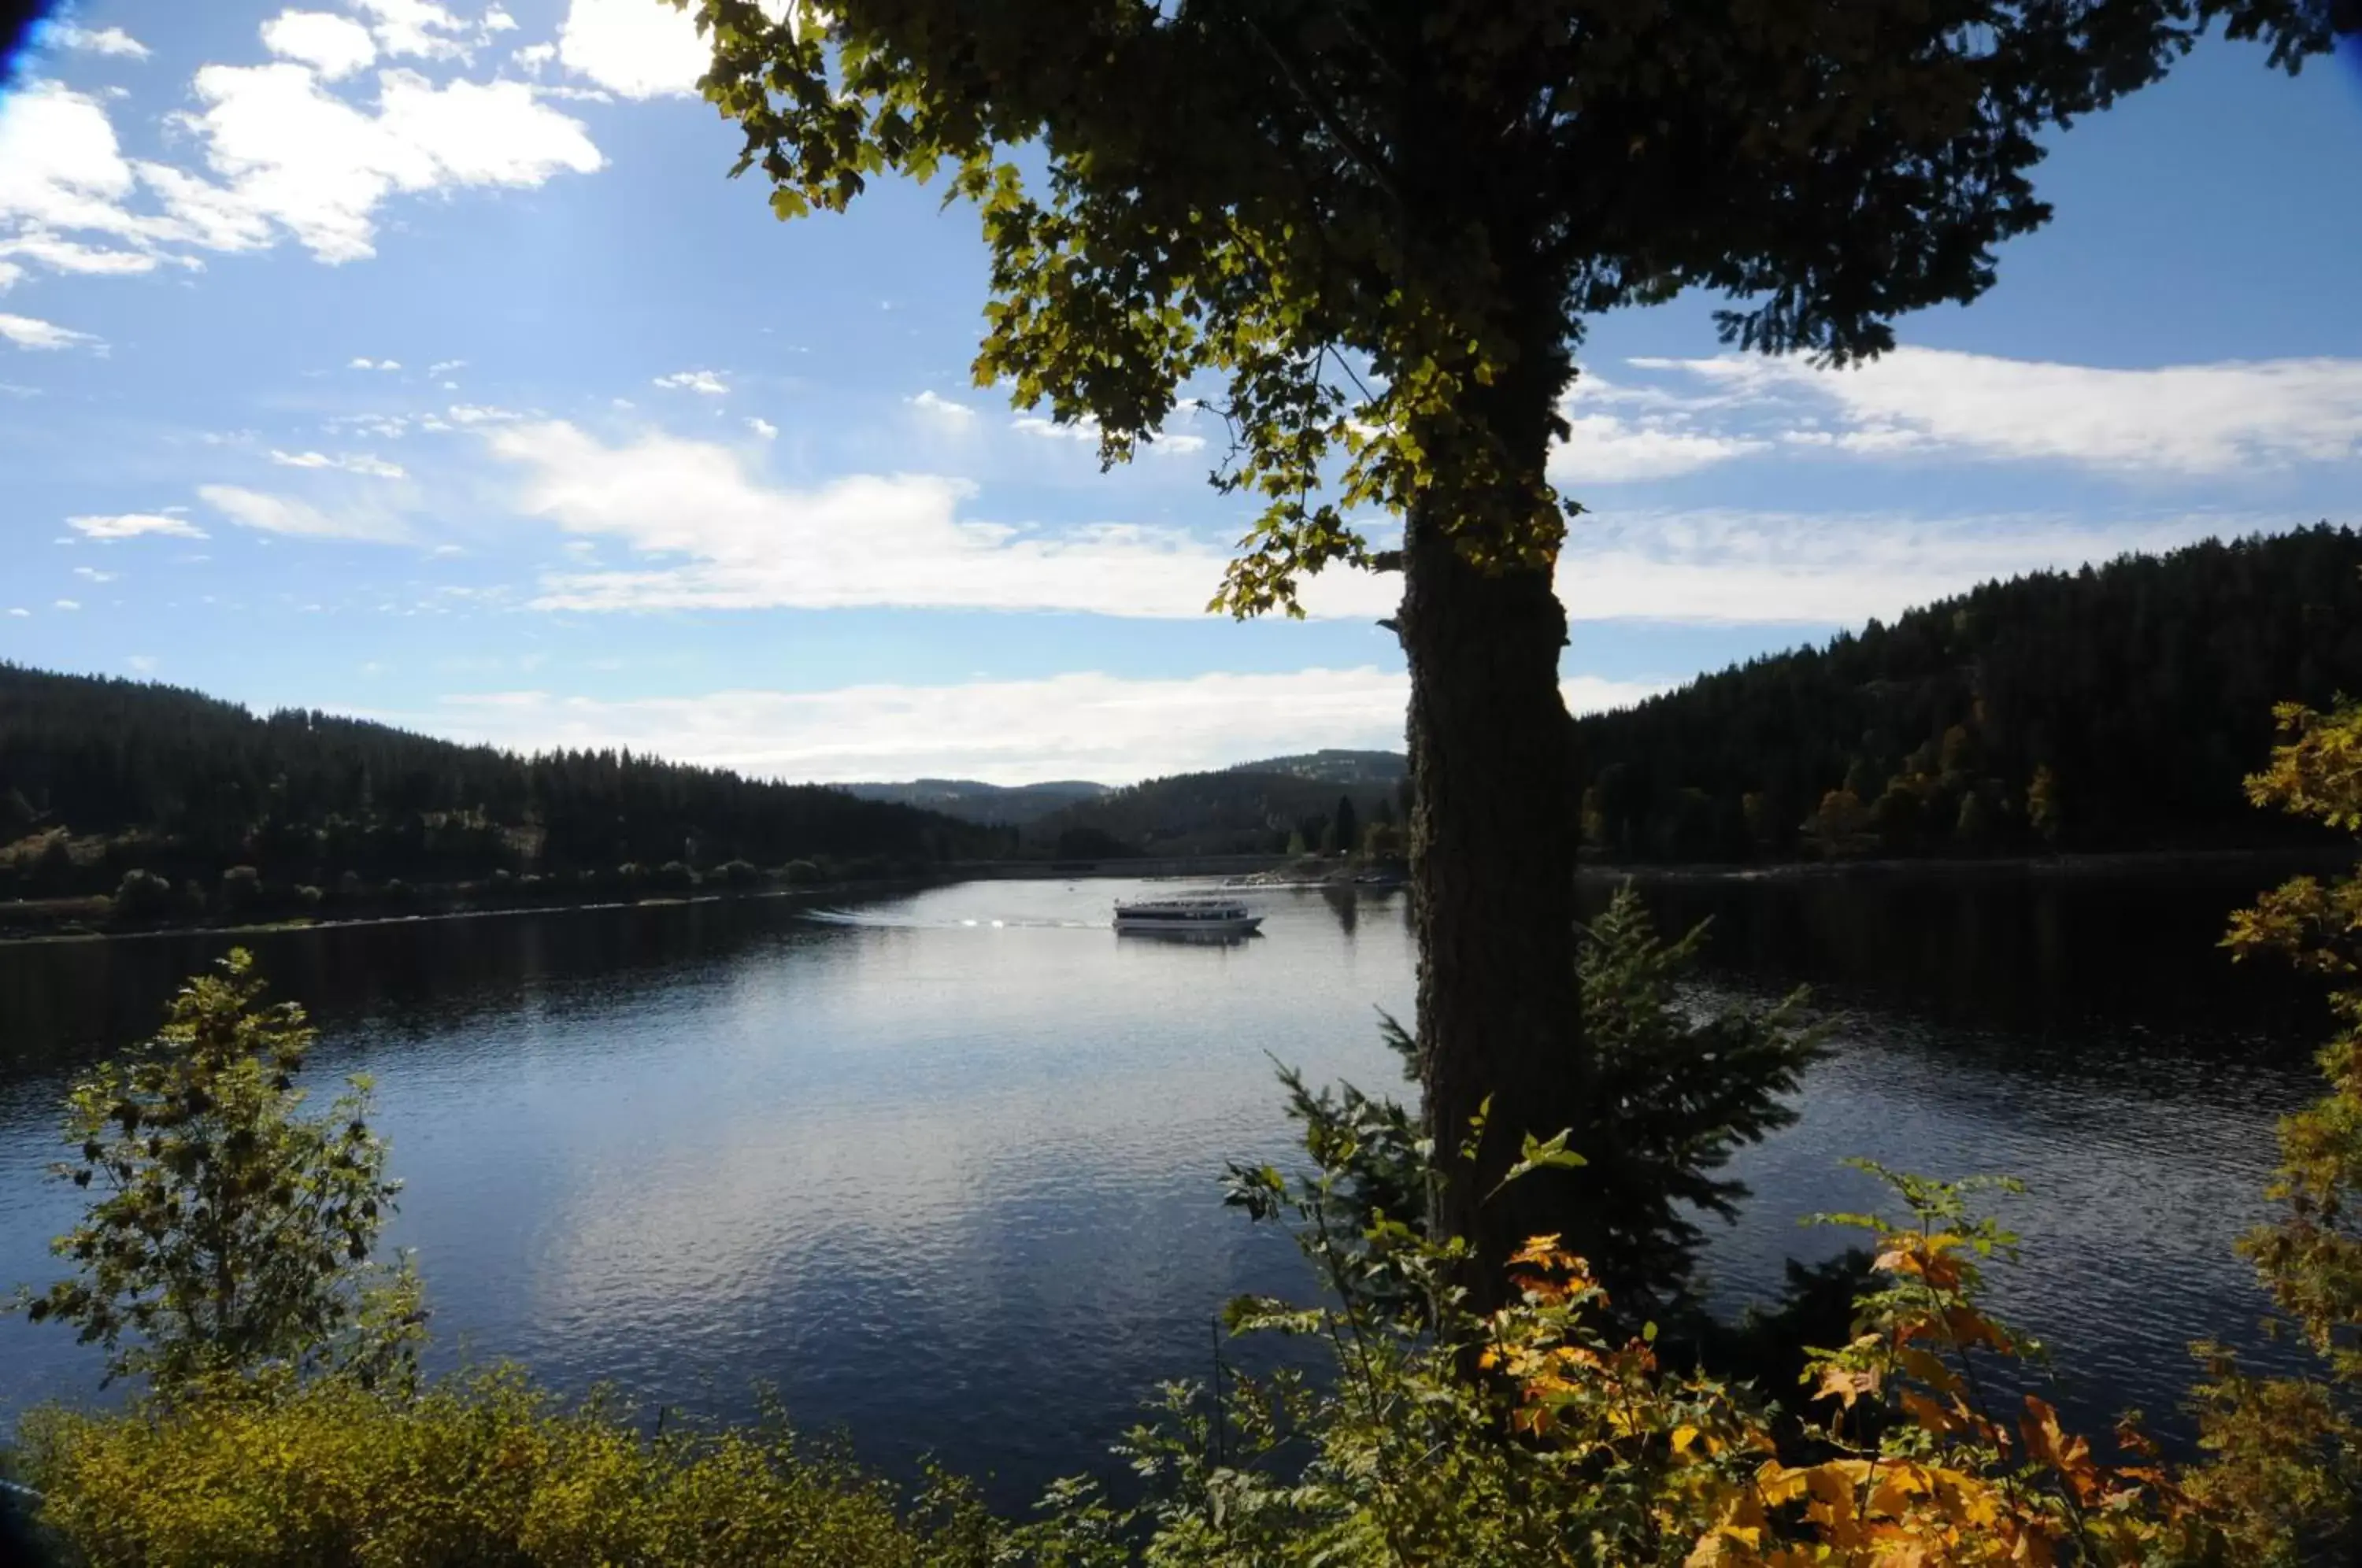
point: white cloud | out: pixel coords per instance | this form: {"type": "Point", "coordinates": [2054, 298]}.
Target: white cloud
{"type": "Point", "coordinates": [287, 158]}
{"type": "Point", "coordinates": [66, 604]}
{"type": "Point", "coordinates": [478, 414]}
{"type": "Point", "coordinates": [332, 45]}
{"type": "Point", "coordinates": [141, 664]}
{"type": "Point", "coordinates": [347, 462]}
{"type": "Point", "coordinates": [27, 332]}
{"type": "Point", "coordinates": [1179, 446]}
{"type": "Point", "coordinates": [385, 427]}
{"type": "Point", "coordinates": [414, 26]}
{"type": "Point", "coordinates": [639, 49]}
{"type": "Point", "coordinates": [442, 366]}
{"type": "Point", "coordinates": [533, 57]}
{"type": "Point", "coordinates": [19, 613]}
{"type": "Point", "coordinates": [132, 524]}
{"type": "Point", "coordinates": [763, 428]}
{"type": "Point", "coordinates": [283, 515]}
{"type": "Point", "coordinates": [1080, 725]}
{"type": "Point", "coordinates": [704, 382]}
{"type": "Point", "coordinates": [741, 543]}
{"type": "Point", "coordinates": [105, 40]}
{"type": "Point", "coordinates": [1770, 568]}
{"type": "Point", "coordinates": [318, 167]}
{"type": "Point", "coordinates": [1083, 429]}
{"type": "Point", "coordinates": [63, 174]}
{"type": "Point", "coordinates": [1605, 448]}
{"type": "Point", "coordinates": [1086, 725]}
{"type": "Point", "coordinates": [94, 575]}
{"type": "Point", "coordinates": [944, 410]}
{"type": "Point", "coordinates": [62, 254]}
{"type": "Point", "coordinates": [2208, 419]}
{"type": "Point", "coordinates": [368, 364]}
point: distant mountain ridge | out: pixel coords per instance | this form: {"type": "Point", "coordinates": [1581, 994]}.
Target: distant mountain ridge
{"type": "Point", "coordinates": [1020, 805]}
{"type": "Point", "coordinates": [1334, 767]}
{"type": "Point", "coordinates": [973, 801]}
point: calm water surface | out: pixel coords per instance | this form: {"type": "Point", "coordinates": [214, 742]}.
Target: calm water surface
{"type": "Point", "coordinates": [940, 1170]}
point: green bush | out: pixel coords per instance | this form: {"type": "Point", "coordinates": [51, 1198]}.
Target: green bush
{"type": "Point", "coordinates": [800, 873]}
{"type": "Point", "coordinates": [741, 875]}
{"type": "Point", "coordinates": [143, 895]}
{"type": "Point", "coordinates": [227, 1231]}
{"type": "Point", "coordinates": [675, 876]}
{"type": "Point", "coordinates": [481, 1468]}
{"type": "Point", "coordinates": [241, 889]}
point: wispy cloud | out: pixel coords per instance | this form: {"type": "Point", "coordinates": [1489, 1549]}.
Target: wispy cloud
{"type": "Point", "coordinates": [1089, 725]}
{"type": "Point", "coordinates": [763, 428]}
{"type": "Point", "coordinates": [2181, 420]}
{"type": "Point", "coordinates": [735, 541]}
{"type": "Point", "coordinates": [285, 515]}
{"type": "Point", "coordinates": [943, 411]}
{"type": "Point", "coordinates": [27, 332]}
{"type": "Point", "coordinates": [103, 40]}
{"type": "Point", "coordinates": [1608, 449]}
{"type": "Point", "coordinates": [133, 524]}
{"type": "Point", "coordinates": [345, 462]}
{"type": "Point", "coordinates": [702, 382]}
{"type": "Point", "coordinates": [1083, 429]}
{"type": "Point", "coordinates": [1761, 567]}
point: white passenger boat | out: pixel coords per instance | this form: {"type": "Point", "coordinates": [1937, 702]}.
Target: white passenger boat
{"type": "Point", "coordinates": [1187, 917]}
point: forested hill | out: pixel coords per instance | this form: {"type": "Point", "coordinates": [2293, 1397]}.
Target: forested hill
{"type": "Point", "coordinates": [98, 777]}
{"type": "Point", "coordinates": [2117, 707]}
{"type": "Point", "coordinates": [1255, 808]}
{"type": "Point", "coordinates": [973, 801]}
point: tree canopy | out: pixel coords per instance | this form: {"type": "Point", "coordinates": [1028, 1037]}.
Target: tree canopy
{"type": "Point", "coordinates": [1358, 218]}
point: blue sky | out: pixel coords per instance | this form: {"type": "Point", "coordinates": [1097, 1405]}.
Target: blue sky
{"type": "Point", "coordinates": [420, 361]}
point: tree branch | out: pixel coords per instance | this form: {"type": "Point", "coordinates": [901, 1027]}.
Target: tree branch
{"type": "Point", "coordinates": [1370, 163]}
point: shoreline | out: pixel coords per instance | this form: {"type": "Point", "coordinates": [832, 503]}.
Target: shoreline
{"type": "Point", "coordinates": [2093, 863]}
{"type": "Point", "coordinates": [1248, 871]}
{"type": "Point", "coordinates": [458, 907]}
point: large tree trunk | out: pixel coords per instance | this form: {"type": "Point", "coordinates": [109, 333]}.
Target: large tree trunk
{"type": "Point", "coordinates": [1493, 858]}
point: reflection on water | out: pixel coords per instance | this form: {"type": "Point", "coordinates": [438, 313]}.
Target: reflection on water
{"type": "Point", "coordinates": [940, 1168]}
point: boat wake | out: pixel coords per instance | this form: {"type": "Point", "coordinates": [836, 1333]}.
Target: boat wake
{"type": "Point", "coordinates": [902, 922]}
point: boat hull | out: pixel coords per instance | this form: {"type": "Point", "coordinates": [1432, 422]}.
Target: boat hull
{"type": "Point", "coordinates": [1173, 925]}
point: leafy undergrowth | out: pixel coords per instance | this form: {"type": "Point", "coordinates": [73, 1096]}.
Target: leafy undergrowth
{"type": "Point", "coordinates": [477, 1469]}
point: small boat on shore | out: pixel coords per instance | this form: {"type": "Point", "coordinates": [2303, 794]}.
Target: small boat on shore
{"type": "Point", "coordinates": [1187, 917]}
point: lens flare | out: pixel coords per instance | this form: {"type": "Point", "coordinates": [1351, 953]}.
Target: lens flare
{"type": "Point", "coordinates": [20, 29]}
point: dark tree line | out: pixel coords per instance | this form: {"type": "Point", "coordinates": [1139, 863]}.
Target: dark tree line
{"type": "Point", "coordinates": [100, 777]}
{"type": "Point", "coordinates": [1233, 812]}
{"type": "Point", "coordinates": [2113, 708]}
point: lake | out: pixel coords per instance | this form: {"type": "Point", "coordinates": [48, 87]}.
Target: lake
{"type": "Point", "coordinates": [940, 1169]}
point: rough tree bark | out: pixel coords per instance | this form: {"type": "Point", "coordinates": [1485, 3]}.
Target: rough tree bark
{"type": "Point", "coordinates": [1494, 833]}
